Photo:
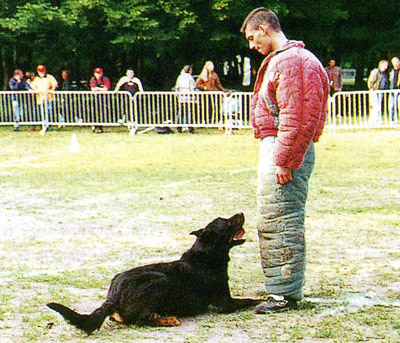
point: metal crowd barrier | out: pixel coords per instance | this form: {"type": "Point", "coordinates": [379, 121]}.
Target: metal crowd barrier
{"type": "Point", "coordinates": [144, 110]}
{"type": "Point", "coordinates": [147, 110]}
{"type": "Point", "coordinates": [364, 109]}
{"type": "Point", "coordinates": [194, 109]}
{"type": "Point", "coordinates": [65, 108]}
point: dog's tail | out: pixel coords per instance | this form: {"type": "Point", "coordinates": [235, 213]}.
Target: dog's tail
{"type": "Point", "coordinates": [85, 322]}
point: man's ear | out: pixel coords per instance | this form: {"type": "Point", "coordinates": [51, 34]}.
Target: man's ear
{"type": "Point", "coordinates": [197, 233]}
{"type": "Point", "coordinates": [264, 28]}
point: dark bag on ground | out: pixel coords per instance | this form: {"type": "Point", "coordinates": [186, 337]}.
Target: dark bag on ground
{"type": "Point", "coordinates": [164, 130]}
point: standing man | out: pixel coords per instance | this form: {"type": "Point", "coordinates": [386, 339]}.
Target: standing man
{"type": "Point", "coordinates": [65, 80]}
{"type": "Point", "coordinates": [44, 85]}
{"type": "Point", "coordinates": [185, 83]}
{"type": "Point", "coordinates": [377, 81]}
{"type": "Point", "coordinates": [335, 76]}
{"type": "Point", "coordinates": [394, 83]}
{"type": "Point", "coordinates": [129, 83]}
{"type": "Point", "coordinates": [17, 83]}
{"type": "Point", "coordinates": [288, 112]}
{"type": "Point", "coordinates": [98, 84]}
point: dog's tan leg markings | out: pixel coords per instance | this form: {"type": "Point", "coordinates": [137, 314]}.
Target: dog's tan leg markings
{"type": "Point", "coordinates": [156, 320]}
{"type": "Point", "coordinates": [116, 317]}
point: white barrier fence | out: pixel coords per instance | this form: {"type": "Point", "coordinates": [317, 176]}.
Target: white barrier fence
{"type": "Point", "coordinates": [64, 108]}
{"type": "Point", "coordinates": [364, 109]}
{"type": "Point", "coordinates": [195, 109]}
{"type": "Point", "coordinates": [347, 110]}
{"type": "Point", "coordinates": [147, 109]}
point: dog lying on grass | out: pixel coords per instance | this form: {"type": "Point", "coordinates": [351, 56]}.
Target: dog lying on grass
{"type": "Point", "coordinates": [152, 294]}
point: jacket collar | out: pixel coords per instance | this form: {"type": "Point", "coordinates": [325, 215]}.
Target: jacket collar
{"type": "Point", "coordinates": [264, 64]}
{"type": "Point", "coordinates": [289, 44]}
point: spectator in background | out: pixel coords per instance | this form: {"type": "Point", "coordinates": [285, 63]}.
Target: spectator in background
{"type": "Point", "coordinates": [394, 83]}
{"type": "Point", "coordinates": [209, 81]}
{"type": "Point", "coordinates": [29, 77]}
{"type": "Point", "coordinates": [44, 84]}
{"type": "Point", "coordinates": [335, 77]}
{"type": "Point", "coordinates": [185, 83]}
{"type": "Point", "coordinates": [129, 83]}
{"type": "Point", "coordinates": [377, 80]}
{"type": "Point", "coordinates": [65, 80]}
{"type": "Point", "coordinates": [66, 85]}
{"type": "Point", "coordinates": [17, 83]}
{"type": "Point", "coordinates": [99, 83]}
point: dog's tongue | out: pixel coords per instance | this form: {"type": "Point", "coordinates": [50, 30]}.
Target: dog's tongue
{"type": "Point", "coordinates": [239, 234]}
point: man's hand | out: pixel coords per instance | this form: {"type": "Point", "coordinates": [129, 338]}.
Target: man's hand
{"type": "Point", "coordinates": [283, 175]}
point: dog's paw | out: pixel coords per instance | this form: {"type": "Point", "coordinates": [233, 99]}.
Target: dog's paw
{"type": "Point", "coordinates": [116, 317]}
{"type": "Point", "coordinates": [170, 321]}
{"type": "Point", "coordinates": [156, 320]}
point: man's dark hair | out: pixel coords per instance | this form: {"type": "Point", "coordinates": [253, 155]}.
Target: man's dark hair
{"type": "Point", "coordinates": [187, 68]}
{"type": "Point", "coordinates": [261, 16]}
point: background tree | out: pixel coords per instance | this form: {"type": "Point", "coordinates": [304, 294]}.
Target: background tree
{"type": "Point", "coordinates": [158, 37]}
{"type": "Point", "coordinates": [369, 33]}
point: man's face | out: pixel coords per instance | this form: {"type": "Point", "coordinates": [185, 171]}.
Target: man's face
{"type": "Point", "coordinates": [259, 40]}
{"type": "Point", "coordinates": [19, 76]}
{"type": "Point", "coordinates": [98, 75]}
{"type": "Point", "coordinates": [396, 64]}
{"type": "Point", "coordinates": [383, 67]}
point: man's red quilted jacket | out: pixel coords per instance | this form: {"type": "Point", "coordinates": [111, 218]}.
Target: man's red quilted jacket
{"type": "Point", "coordinates": [290, 102]}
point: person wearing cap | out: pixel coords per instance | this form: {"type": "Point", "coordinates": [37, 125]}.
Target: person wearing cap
{"type": "Point", "coordinates": [99, 83]}
{"type": "Point", "coordinates": [44, 84]}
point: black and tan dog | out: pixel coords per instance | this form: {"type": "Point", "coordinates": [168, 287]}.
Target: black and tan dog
{"type": "Point", "coordinates": [147, 295]}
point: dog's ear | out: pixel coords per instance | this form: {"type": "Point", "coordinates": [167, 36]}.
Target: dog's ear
{"type": "Point", "coordinates": [197, 233]}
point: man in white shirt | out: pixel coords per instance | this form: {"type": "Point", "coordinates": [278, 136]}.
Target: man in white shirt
{"type": "Point", "coordinates": [129, 83]}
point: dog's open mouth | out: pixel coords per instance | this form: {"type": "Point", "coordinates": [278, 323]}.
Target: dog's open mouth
{"type": "Point", "coordinates": [237, 237]}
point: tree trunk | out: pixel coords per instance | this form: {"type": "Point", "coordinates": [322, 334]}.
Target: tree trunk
{"type": "Point", "coordinates": [7, 64]}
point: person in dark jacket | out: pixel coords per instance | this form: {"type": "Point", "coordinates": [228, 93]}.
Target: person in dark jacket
{"type": "Point", "coordinates": [288, 112]}
{"type": "Point", "coordinates": [335, 77]}
{"type": "Point", "coordinates": [129, 83]}
{"type": "Point", "coordinates": [17, 83]}
{"type": "Point", "coordinates": [394, 84]}
{"type": "Point", "coordinates": [98, 84]}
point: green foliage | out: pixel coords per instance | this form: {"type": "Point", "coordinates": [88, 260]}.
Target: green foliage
{"type": "Point", "coordinates": [157, 37]}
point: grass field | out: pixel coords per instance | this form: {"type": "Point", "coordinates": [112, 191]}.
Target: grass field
{"type": "Point", "coordinates": [70, 221]}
